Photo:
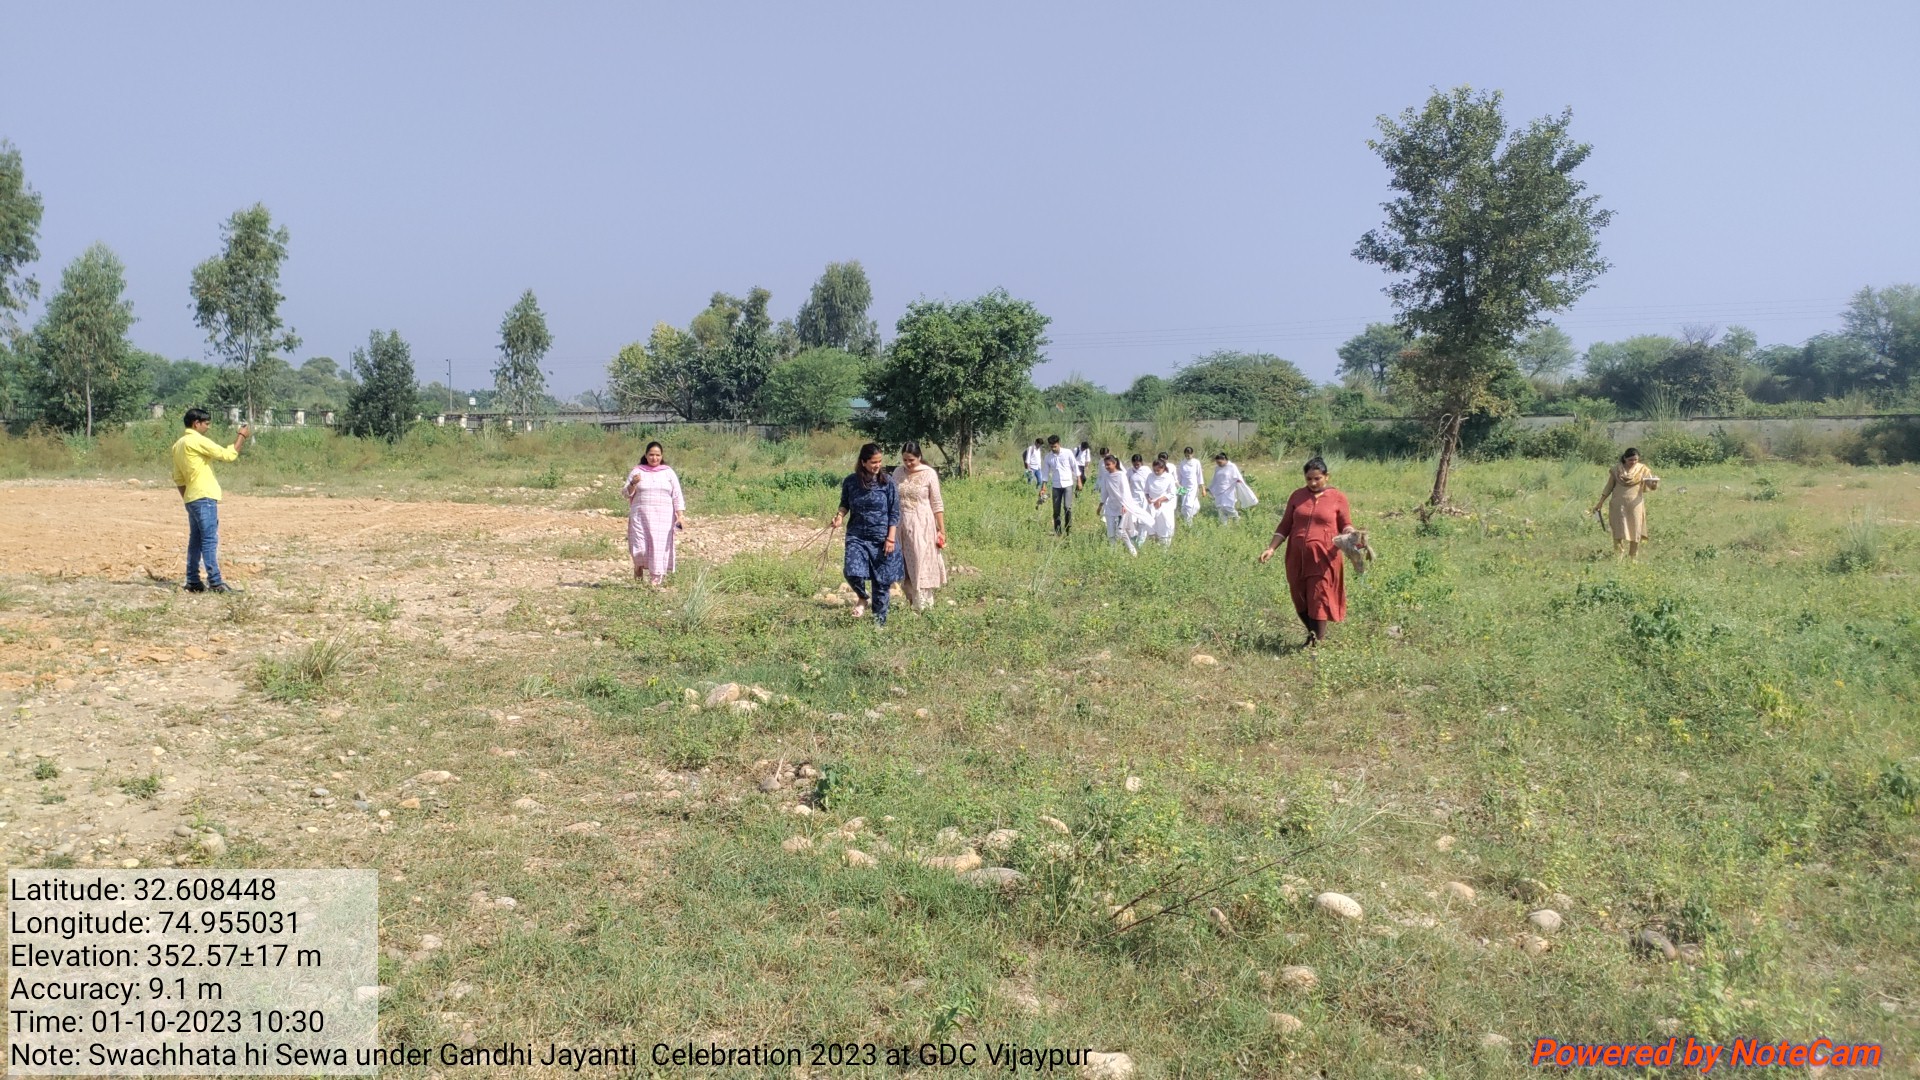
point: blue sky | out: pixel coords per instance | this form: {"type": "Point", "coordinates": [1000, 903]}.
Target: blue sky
{"type": "Point", "coordinates": [1162, 180]}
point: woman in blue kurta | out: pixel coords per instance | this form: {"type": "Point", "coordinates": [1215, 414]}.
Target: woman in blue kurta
{"type": "Point", "coordinates": [870, 504]}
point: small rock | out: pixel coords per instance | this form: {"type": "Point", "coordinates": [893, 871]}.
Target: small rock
{"type": "Point", "coordinates": [722, 694]}
{"type": "Point", "coordinates": [364, 994]}
{"type": "Point", "coordinates": [743, 706]}
{"type": "Point", "coordinates": [1299, 977]}
{"type": "Point", "coordinates": [1285, 1023]}
{"type": "Point", "coordinates": [182, 831]}
{"type": "Point", "coordinates": [1491, 1041]}
{"type": "Point", "coordinates": [1667, 1025]}
{"type": "Point", "coordinates": [794, 845]}
{"type": "Point", "coordinates": [948, 837]}
{"type": "Point", "coordinates": [320, 793]}
{"type": "Point", "coordinates": [1000, 840]}
{"type": "Point", "coordinates": [1203, 660]}
{"type": "Point", "coordinates": [690, 696]}
{"type": "Point", "coordinates": [761, 694]}
{"type": "Point", "coordinates": [1459, 890]}
{"type": "Point", "coordinates": [1394, 632]}
{"type": "Point", "coordinates": [526, 804]}
{"type": "Point", "coordinates": [959, 864]}
{"type": "Point", "coordinates": [434, 776]}
{"type": "Point", "coordinates": [213, 844]}
{"type": "Point", "coordinates": [998, 877]}
{"type": "Point", "coordinates": [430, 942]}
{"type": "Point", "coordinates": [1445, 843]}
{"type": "Point", "coordinates": [771, 783]}
{"type": "Point", "coordinates": [1055, 824]}
{"type": "Point", "coordinates": [1655, 944]}
{"type": "Point", "coordinates": [1560, 902]}
{"type": "Point", "coordinates": [923, 714]}
{"type": "Point", "coordinates": [1132, 783]}
{"type": "Point", "coordinates": [505, 902]}
{"type": "Point", "coordinates": [1121, 916]}
{"type": "Point", "coordinates": [1101, 1066]}
{"type": "Point", "coordinates": [1692, 955]}
{"type": "Point", "coordinates": [1534, 944]}
{"type": "Point", "coordinates": [1339, 905]}
{"type": "Point", "coordinates": [806, 771]}
{"type": "Point", "coordinates": [582, 827]}
{"type": "Point", "coordinates": [854, 825]}
{"type": "Point", "coordinates": [1220, 921]}
{"type": "Point", "coordinates": [856, 857]}
{"type": "Point", "coordinates": [1247, 707]}
{"type": "Point", "coordinates": [1546, 920]}
{"type": "Point", "coordinates": [799, 809]}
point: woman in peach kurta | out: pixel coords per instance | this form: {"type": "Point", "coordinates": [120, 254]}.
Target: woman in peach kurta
{"type": "Point", "coordinates": [1315, 514]}
{"type": "Point", "coordinates": [1628, 484]}
{"type": "Point", "coordinates": [923, 527]}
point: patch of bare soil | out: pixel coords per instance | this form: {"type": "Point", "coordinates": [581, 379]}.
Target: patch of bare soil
{"type": "Point", "coordinates": [123, 700]}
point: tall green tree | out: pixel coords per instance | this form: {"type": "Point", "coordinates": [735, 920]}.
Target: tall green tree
{"type": "Point", "coordinates": [834, 315]}
{"type": "Point", "coordinates": [385, 400]}
{"type": "Point", "coordinates": [1544, 352]}
{"type": "Point", "coordinates": [1142, 398]}
{"type": "Point", "coordinates": [1887, 321]}
{"type": "Point", "coordinates": [520, 386]}
{"type": "Point", "coordinates": [19, 238]}
{"type": "Point", "coordinates": [236, 298]}
{"type": "Point", "coordinates": [85, 370]}
{"type": "Point", "coordinates": [733, 353]}
{"type": "Point", "coordinates": [1489, 232]}
{"type": "Point", "coordinates": [812, 391]}
{"type": "Point", "coordinates": [1226, 384]}
{"type": "Point", "coordinates": [1370, 354]}
{"type": "Point", "coordinates": [1076, 397]}
{"type": "Point", "coordinates": [957, 373]}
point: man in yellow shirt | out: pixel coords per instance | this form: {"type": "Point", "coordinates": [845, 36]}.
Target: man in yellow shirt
{"type": "Point", "coordinates": [193, 458]}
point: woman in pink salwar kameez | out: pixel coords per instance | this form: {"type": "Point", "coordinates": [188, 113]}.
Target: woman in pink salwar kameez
{"type": "Point", "coordinates": [657, 510]}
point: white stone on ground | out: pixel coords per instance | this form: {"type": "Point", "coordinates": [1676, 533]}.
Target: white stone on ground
{"type": "Point", "coordinates": [1101, 1066]}
{"type": "Point", "coordinates": [1339, 905]}
{"type": "Point", "coordinates": [1546, 920]}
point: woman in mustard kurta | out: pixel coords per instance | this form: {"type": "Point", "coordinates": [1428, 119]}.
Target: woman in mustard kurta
{"type": "Point", "coordinates": [1628, 483]}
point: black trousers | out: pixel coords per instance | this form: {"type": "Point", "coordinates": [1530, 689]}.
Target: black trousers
{"type": "Point", "coordinates": [1063, 510]}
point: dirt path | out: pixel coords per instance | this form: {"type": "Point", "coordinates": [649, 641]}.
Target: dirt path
{"type": "Point", "coordinates": [122, 699]}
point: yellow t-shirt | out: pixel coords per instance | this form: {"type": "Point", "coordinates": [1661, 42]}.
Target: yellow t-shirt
{"type": "Point", "coordinates": [193, 458]}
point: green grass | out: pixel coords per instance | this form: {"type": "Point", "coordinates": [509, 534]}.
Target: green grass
{"type": "Point", "coordinates": [46, 769]}
{"type": "Point", "coordinates": [1717, 741]}
{"type": "Point", "coordinates": [141, 787]}
{"type": "Point", "coordinates": [311, 671]}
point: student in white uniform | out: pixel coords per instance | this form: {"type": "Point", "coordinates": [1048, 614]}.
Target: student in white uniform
{"type": "Point", "coordinates": [1084, 458]}
{"type": "Point", "coordinates": [1225, 487]}
{"type": "Point", "coordinates": [1062, 474]}
{"type": "Point", "coordinates": [1137, 475]}
{"type": "Point", "coordinates": [1190, 484]}
{"type": "Point", "coordinates": [1125, 515]}
{"type": "Point", "coordinates": [1033, 458]}
{"type": "Point", "coordinates": [1162, 492]}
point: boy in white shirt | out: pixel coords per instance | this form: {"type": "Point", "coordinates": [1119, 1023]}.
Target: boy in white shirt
{"type": "Point", "coordinates": [1124, 514]}
{"type": "Point", "coordinates": [1063, 476]}
{"type": "Point", "coordinates": [1033, 458]}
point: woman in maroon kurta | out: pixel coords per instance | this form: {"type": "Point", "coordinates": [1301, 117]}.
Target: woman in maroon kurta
{"type": "Point", "coordinates": [1315, 514]}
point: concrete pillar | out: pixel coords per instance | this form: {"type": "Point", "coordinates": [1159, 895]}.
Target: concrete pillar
{"type": "Point", "coordinates": [440, 420]}
{"type": "Point", "coordinates": [299, 418]}
{"type": "Point", "coordinates": [233, 414]}
{"type": "Point", "coordinates": [327, 418]}
{"type": "Point", "coordinates": [155, 410]}
{"type": "Point", "coordinates": [266, 418]}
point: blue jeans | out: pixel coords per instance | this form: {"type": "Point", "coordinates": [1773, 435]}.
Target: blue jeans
{"type": "Point", "coordinates": [203, 540]}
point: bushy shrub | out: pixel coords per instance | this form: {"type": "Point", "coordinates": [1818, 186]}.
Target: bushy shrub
{"type": "Point", "coordinates": [1408, 438]}
{"type": "Point", "coordinates": [1893, 441]}
{"type": "Point", "coordinates": [1583, 440]}
{"type": "Point", "coordinates": [1680, 450]}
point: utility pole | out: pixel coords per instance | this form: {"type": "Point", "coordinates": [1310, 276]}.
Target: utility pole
{"type": "Point", "coordinates": [449, 385]}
